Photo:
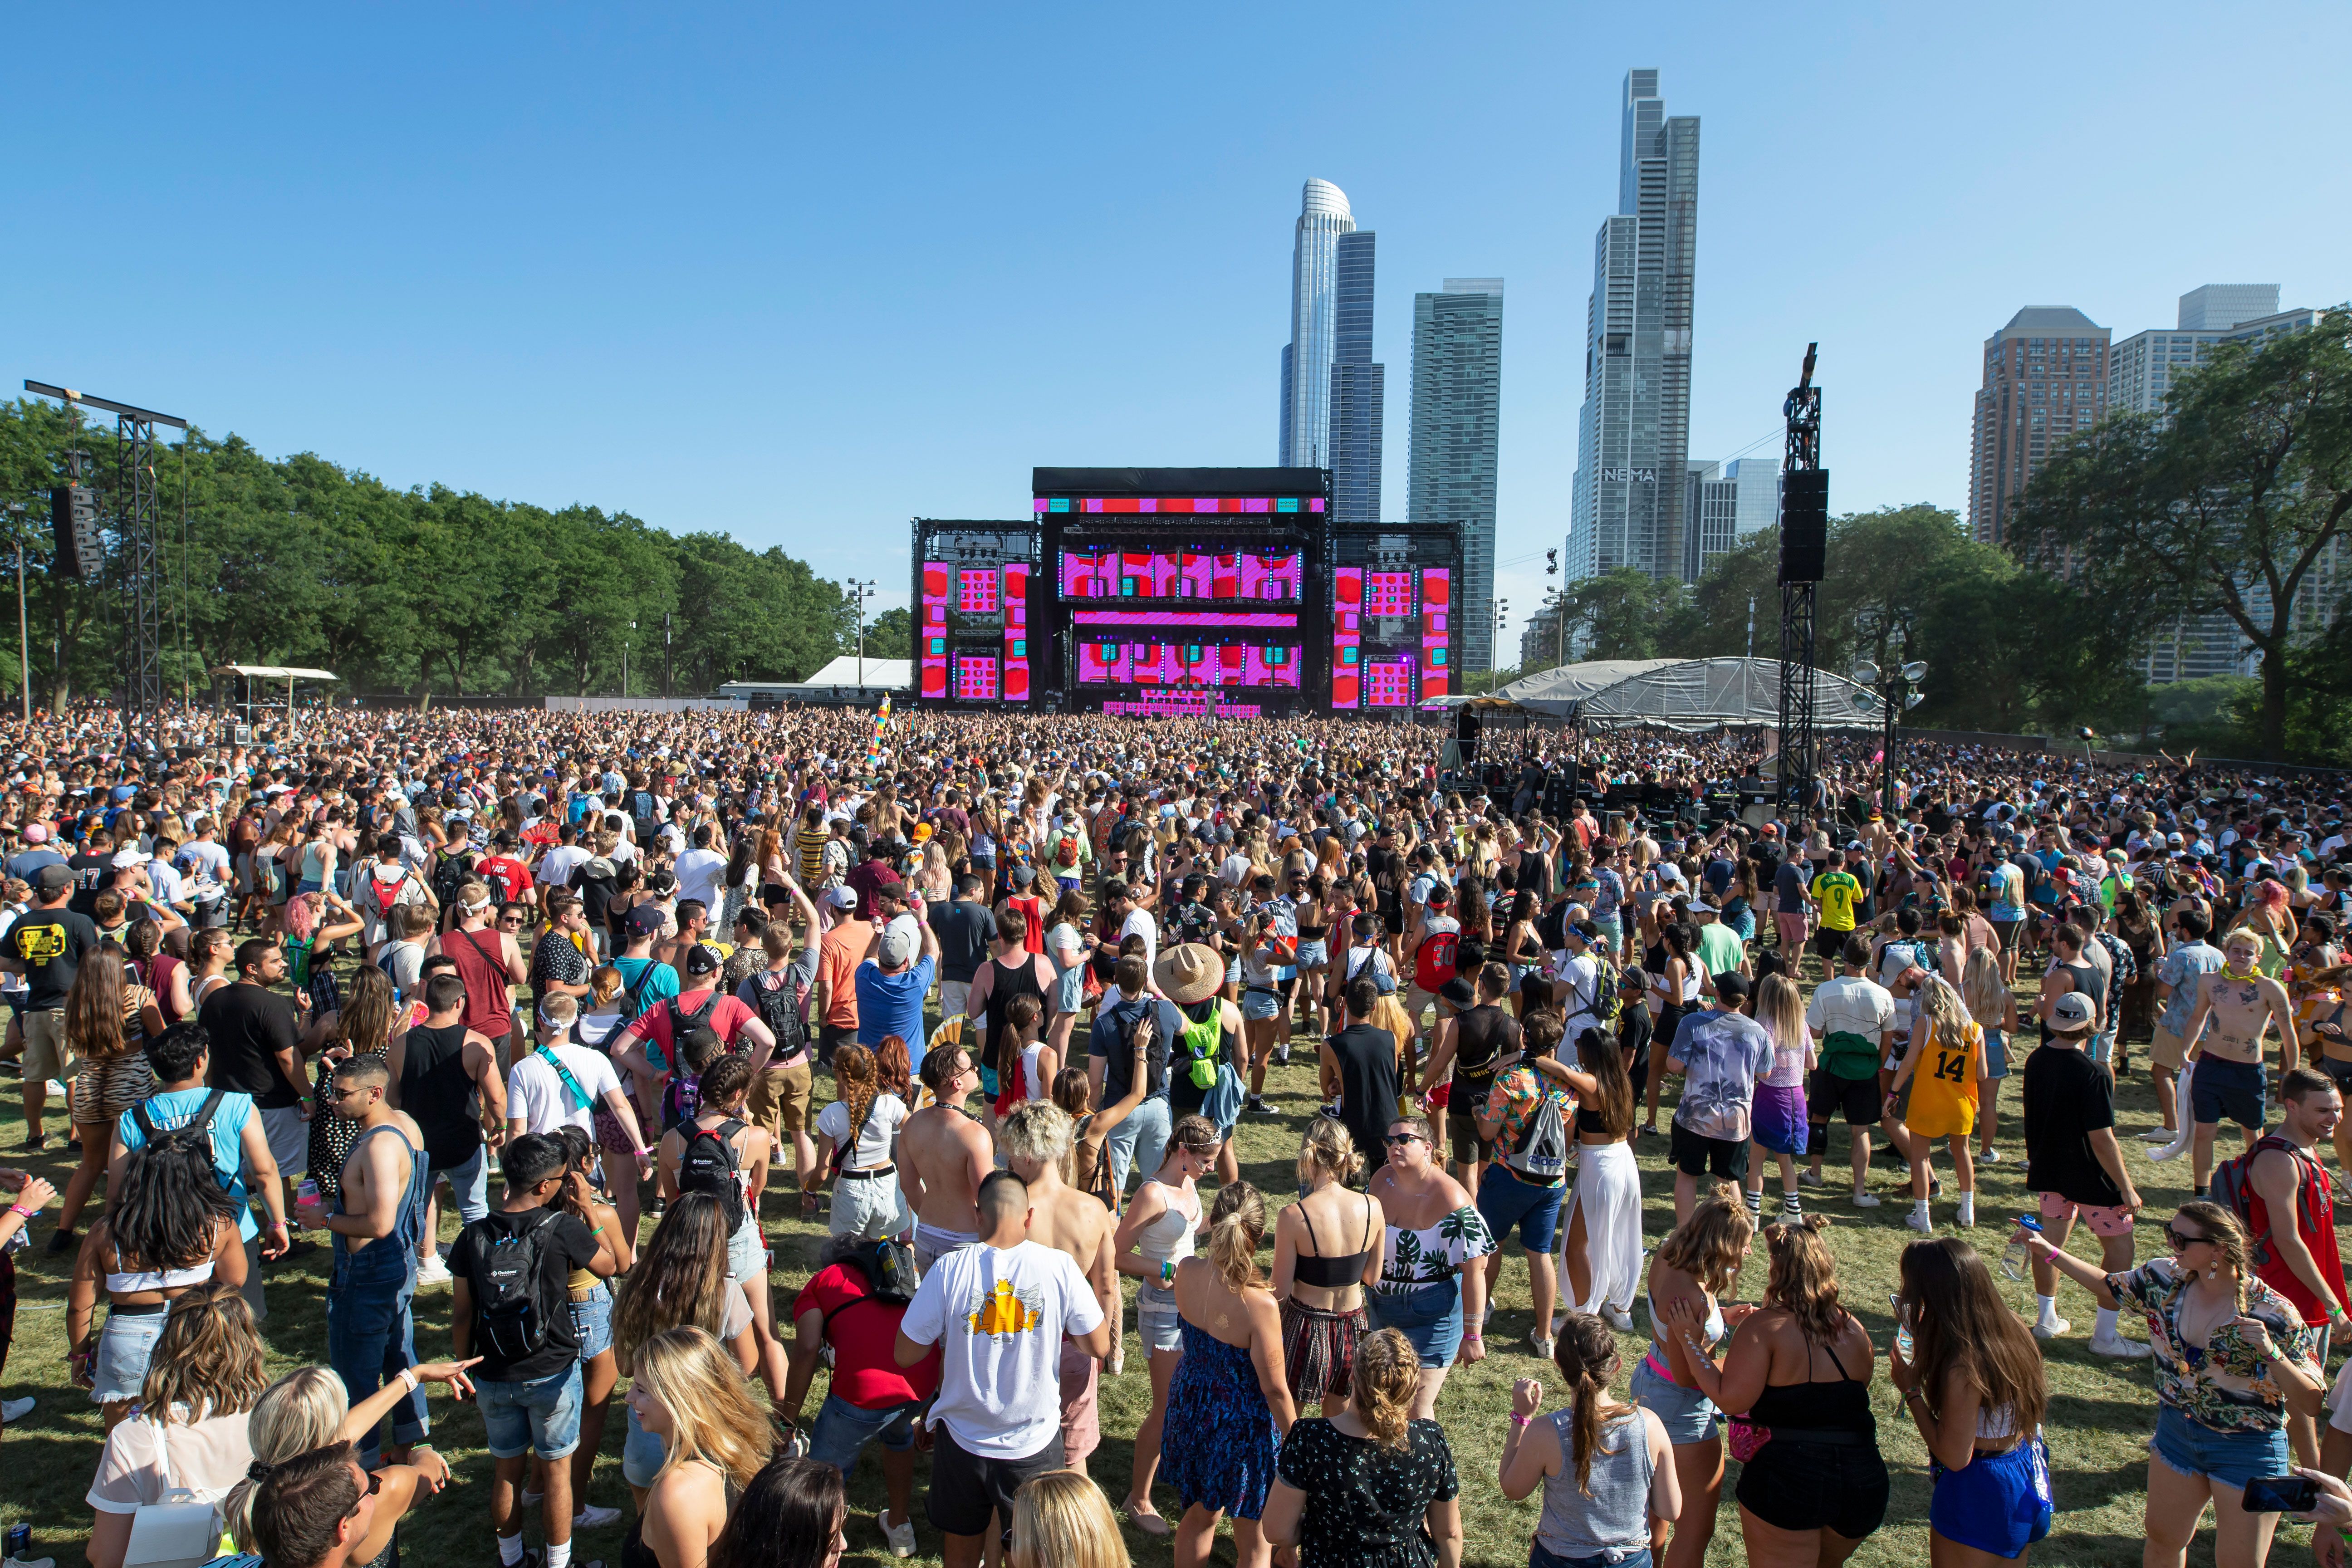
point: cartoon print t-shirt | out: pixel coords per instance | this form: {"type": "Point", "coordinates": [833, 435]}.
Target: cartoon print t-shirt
{"type": "Point", "coordinates": [998, 1315]}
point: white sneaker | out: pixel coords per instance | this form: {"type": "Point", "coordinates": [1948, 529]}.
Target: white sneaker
{"type": "Point", "coordinates": [432, 1271]}
{"type": "Point", "coordinates": [901, 1536]}
{"type": "Point", "coordinates": [12, 1410]}
{"type": "Point", "coordinates": [2160, 1135]}
{"type": "Point", "coordinates": [31, 1562]}
{"type": "Point", "coordinates": [1865, 1201]}
{"type": "Point", "coordinates": [1282, 1054]}
{"type": "Point", "coordinates": [1541, 1346]}
{"type": "Point", "coordinates": [2118, 1347]}
{"type": "Point", "coordinates": [1617, 1318]}
{"type": "Point", "coordinates": [1919, 1222]}
{"type": "Point", "coordinates": [1992, 1156]}
{"type": "Point", "coordinates": [595, 1518]}
{"type": "Point", "coordinates": [2055, 1329]}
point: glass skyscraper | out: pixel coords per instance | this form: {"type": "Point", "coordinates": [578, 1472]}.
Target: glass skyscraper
{"type": "Point", "coordinates": [1457, 395]}
{"type": "Point", "coordinates": [1332, 393]}
{"type": "Point", "coordinates": [1633, 436]}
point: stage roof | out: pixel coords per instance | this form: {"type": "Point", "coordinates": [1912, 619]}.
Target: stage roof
{"type": "Point", "coordinates": [1176, 481]}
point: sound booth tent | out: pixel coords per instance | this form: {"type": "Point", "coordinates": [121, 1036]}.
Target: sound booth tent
{"type": "Point", "coordinates": [1687, 694]}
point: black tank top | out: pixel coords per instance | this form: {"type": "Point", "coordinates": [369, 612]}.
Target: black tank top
{"type": "Point", "coordinates": [435, 1090]}
{"type": "Point", "coordinates": [1816, 1405]}
{"type": "Point", "coordinates": [1020, 979]}
{"type": "Point", "coordinates": [1331, 1273]}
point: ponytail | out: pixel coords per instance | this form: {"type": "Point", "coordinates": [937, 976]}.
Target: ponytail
{"type": "Point", "coordinates": [1236, 1226]}
{"type": "Point", "coordinates": [1386, 1379]}
{"type": "Point", "coordinates": [1586, 1354]}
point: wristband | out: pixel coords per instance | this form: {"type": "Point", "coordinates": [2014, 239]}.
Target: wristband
{"type": "Point", "coordinates": [1473, 1336]}
{"type": "Point", "coordinates": [1167, 1272]}
{"type": "Point", "coordinates": [408, 1375]}
{"type": "Point", "coordinates": [21, 1212]}
{"type": "Point", "coordinates": [1519, 1420]}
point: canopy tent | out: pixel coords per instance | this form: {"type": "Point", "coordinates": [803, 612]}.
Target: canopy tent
{"type": "Point", "coordinates": [249, 678]}
{"type": "Point", "coordinates": [1688, 694]}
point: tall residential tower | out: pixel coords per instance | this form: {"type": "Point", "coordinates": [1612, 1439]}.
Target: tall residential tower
{"type": "Point", "coordinates": [1457, 395]}
{"type": "Point", "coordinates": [2045, 377]}
{"type": "Point", "coordinates": [1332, 393]}
{"type": "Point", "coordinates": [1633, 436]}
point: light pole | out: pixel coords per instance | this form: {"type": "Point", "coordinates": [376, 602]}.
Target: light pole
{"type": "Point", "coordinates": [860, 590]}
{"type": "Point", "coordinates": [625, 660]}
{"type": "Point", "coordinates": [1897, 692]}
{"type": "Point", "coordinates": [1495, 643]}
{"type": "Point", "coordinates": [23, 634]}
{"type": "Point", "coordinates": [1558, 610]}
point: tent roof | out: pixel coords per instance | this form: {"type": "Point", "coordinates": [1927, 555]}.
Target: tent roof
{"type": "Point", "coordinates": [276, 672]}
{"type": "Point", "coordinates": [1690, 694]}
{"type": "Point", "coordinates": [881, 675]}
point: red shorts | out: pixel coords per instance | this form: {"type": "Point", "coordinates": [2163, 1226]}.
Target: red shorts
{"type": "Point", "coordinates": [2101, 1220]}
{"type": "Point", "coordinates": [1081, 1423]}
{"type": "Point", "coordinates": [1792, 928]}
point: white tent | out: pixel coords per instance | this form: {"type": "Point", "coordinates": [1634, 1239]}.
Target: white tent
{"type": "Point", "coordinates": [1688, 694]}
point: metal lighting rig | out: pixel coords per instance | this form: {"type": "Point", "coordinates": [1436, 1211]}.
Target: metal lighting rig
{"type": "Point", "coordinates": [1804, 542]}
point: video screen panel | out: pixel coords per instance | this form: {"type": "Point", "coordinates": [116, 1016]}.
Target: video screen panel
{"type": "Point", "coordinates": [1391, 636]}
{"type": "Point", "coordinates": [974, 638]}
{"type": "Point", "coordinates": [1187, 664]}
{"type": "Point", "coordinates": [1182, 576]}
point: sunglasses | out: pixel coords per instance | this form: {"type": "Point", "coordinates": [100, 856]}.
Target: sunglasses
{"type": "Point", "coordinates": [1395, 1138]}
{"type": "Point", "coordinates": [375, 1485]}
{"type": "Point", "coordinates": [2180, 1243]}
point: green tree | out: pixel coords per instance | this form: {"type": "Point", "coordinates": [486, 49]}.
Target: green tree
{"type": "Point", "coordinates": [1627, 613]}
{"type": "Point", "coordinates": [891, 635]}
{"type": "Point", "coordinates": [2233, 502]}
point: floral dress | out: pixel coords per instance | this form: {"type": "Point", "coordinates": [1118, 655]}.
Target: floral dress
{"type": "Point", "coordinates": [1365, 1502]}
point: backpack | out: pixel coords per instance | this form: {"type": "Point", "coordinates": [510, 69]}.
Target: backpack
{"type": "Point", "coordinates": [451, 872]}
{"type": "Point", "coordinates": [2233, 1189]}
{"type": "Point", "coordinates": [195, 1132]}
{"type": "Point", "coordinates": [1542, 1151]}
{"type": "Point", "coordinates": [381, 902]}
{"type": "Point", "coordinates": [1434, 960]}
{"type": "Point", "coordinates": [1066, 852]}
{"type": "Point", "coordinates": [1199, 1041]}
{"type": "Point", "coordinates": [648, 826]}
{"type": "Point", "coordinates": [510, 1320]}
{"type": "Point", "coordinates": [709, 1164]}
{"type": "Point", "coordinates": [684, 1025]}
{"type": "Point", "coordinates": [888, 1266]}
{"type": "Point", "coordinates": [779, 1008]}
{"type": "Point", "coordinates": [1607, 1000]}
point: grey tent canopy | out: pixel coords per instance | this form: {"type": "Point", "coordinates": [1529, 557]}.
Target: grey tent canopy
{"type": "Point", "coordinates": [1688, 694]}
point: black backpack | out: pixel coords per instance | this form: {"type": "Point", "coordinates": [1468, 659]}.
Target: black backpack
{"type": "Point", "coordinates": [195, 1132]}
{"type": "Point", "coordinates": [510, 1317]}
{"type": "Point", "coordinates": [779, 1008]}
{"type": "Point", "coordinates": [451, 872]}
{"type": "Point", "coordinates": [888, 1266]}
{"type": "Point", "coordinates": [684, 1025]}
{"type": "Point", "coordinates": [708, 1164]}
{"type": "Point", "coordinates": [648, 826]}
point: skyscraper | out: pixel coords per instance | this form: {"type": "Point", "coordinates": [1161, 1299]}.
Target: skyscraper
{"type": "Point", "coordinates": [2045, 378]}
{"type": "Point", "coordinates": [1724, 504]}
{"type": "Point", "coordinates": [1331, 391]}
{"type": "Point", "coordinates": [1634, 434]}
{"type": "Point", "coordinates": [1457, 387]}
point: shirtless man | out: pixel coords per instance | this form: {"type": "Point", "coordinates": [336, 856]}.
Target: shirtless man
{"type": "Point", "coordinates": [943, 1156]}
{"type": "Point", "coordinates": [1036, 1137]}
{"type": "Point", "coordinates": [2242, 1004]}
{"type": "Point", "coordinates": [375, 1225]}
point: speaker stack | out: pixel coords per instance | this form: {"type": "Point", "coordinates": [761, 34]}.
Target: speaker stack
{"type": "Point", "coordinates": [1804, 524]}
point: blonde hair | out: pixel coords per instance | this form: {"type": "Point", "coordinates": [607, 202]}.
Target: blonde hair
{"type": "Point", "coordinates": [1383, 1384]}
{"type": "Point", "coordinates": [1036, 1130]}
{"type": "Point", "coordinates": [1236, 1226]}
{"type": "Point", "coordinates": [712, 1413]}
{"type": "Point", "coordinates": [1982, 988]}
{"type": "Point", "coordinates": [1710, 1246]}
{"type": "Point", "coordinates": [209, 1356]}
{"type": "Point", "coordinates": [1327, 1148]}
{"type": "Point", "coordinates": [1061, 1519]}
{"type": "Point", "coordinates": [301, 1411]}
{"type": "Point", "coordinates": [1802, 1279]}
{"type": "Point", "coordinates": [1781, 1012]}
{"type": "Point", "coordinates": [1944, 1010]}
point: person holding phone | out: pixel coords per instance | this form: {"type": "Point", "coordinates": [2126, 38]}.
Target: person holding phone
{"type": "Point", "coordinates": [2232, 1360]}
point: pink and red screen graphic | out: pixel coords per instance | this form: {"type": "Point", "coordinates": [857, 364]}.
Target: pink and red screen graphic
{"type": "Point", "coordinates": [932, 633]}
{"type": "Point", "coordinates": [1016, 631]}
{"type": "Point", "coordinates": [1347, 636]}
{"type": "Point", "coordinates": [973, 664]}
{"type": "Point", "coordinates": [1436, 631]}
{"type": "Point", "coordinates": [1187, 664]}
{"type": "Point", "coordinates": [1182, 575]}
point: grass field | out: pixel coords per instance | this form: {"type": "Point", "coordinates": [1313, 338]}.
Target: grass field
{"type": "Point", "coordinates": [2100, 1417]}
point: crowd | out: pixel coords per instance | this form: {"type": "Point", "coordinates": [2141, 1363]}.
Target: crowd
{"type": "Point", "coordinates": [628, 992]}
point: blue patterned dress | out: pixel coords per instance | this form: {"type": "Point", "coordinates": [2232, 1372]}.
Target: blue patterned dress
{"type": "Point", "coordinates": [1218, 1445]}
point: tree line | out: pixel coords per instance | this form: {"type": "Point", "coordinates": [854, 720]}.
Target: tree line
{"type": "Point", "coordinates": [426, 591]}
{"type": "Point", "coordinates": [2233, 502]}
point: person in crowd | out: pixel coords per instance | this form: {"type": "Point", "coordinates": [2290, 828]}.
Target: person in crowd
{"type": "Point", "coordinates": [2242, 1004]}
{"type": "Point", "coordinates": [1139, 1140]}
{"type": "Point", "coordinates": [1229, 1398]}
{"type": "Point", "coordinates": [716, 1438]}
{"type": "Point", "coordinates": [2073, 1160]}
{"type": "Point", "coordinates": [1852, 1019]}
{"type": "Point", "coordinates": [511, 1306]}
{"type": "Point", "coordinates": [45, 944]}
{"type": "Point", "coordinates": [1154, 1236]}
{"type": "Point", "coordinates": [1722, 1055]}
{"type": "Point", "coordinates": [1973, 1385]}
{"type": "Point", "coordinates": [1004, 969]}
{"type": "Point", "coordinates": [944, 1154]}
{"type": "Point", "coordinates": [1606, 1468]}
{"type": "Point", "coordinates": [679, 1279]}
{"type": "Point", "coordinates": [892, 981]}
{"type": "Point", "coordinates": [445, 1077]}
{"type": "Point", "coordinates": [1777, 1123]}
{"type": "Point", "coordinates": [1321, 1294]}
{"type": "Point", "coordinates": [998, 1312]}
{"type": "Point", "coordinates": [1942, 1069]}
{"type": "Point", "coordinates": [793, 1514]}
{"type": "Point", "coordinates": [1208, 1047]}
{"type": "Point", "coordinates": [316, 1510]}
{"type": "Point", "coordinates": [1035, 1139]}
{"type": "Point", "coordinates": [1600, 1222]}
{"type": "Point", "coordinates": [363, 1024]}
{"type": "Point", "coordinates": [180, 1059]}
{"type": "Point", "coordinates": [1431, 1286]}
{"type": "Point", "coordinates": [169, 1228]}
{"type": "Point", "coordinates": [859, 1134]}
{"type": "Point", "coordinates": [1993, 1007]}
{"type": "Point", "coordinates": [1812, 1484]}
{"type": "Point", "coordinates": [310, 1409]}
{"type": "Point", "coordinates": [107, 1016]}
{"type": "Point", "coordinates": [1090, 1169]}
{"type": "Point", "coordinates": [1526, 1118]}
{"type": "Point", "coordinates": [191, 1433]}
{"type": "Point", "coordinates": [257, 1049]}
{"type": "Point", "coordinates": [590, 1302]}
{"type": "Point", "coordinates": [2179, 981]}
{"type": "Point", "coordinates": [1369, 1483]}
{"type": "Point", "coordinates": [719, 1152]}
{"type": "Point", "coordinates": [779, 993]}
{"type": "Point", "coordinates": [1698, 1263]}
{"type": "Point", "coordinates": [1061, 1519]}
{"type": "Point", "coordinates": [560, 1083]}
{"type": "Point", "coordinates": [1360, 1071]}
{"type": "Point", "coordinates": [2232, 1360]}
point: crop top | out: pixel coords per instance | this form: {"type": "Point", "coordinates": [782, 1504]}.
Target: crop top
{"type": "Point", "coordinates": [1332, 1273]}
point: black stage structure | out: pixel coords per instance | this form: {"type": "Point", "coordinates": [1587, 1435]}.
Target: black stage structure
{"type": "Point", "coordinates": [1804, 547]}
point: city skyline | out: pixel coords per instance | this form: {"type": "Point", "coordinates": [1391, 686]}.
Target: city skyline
{"type": "Point", "coordinates": [1457, 410]}
{"type": "Point", "coordinates": [553, 267]}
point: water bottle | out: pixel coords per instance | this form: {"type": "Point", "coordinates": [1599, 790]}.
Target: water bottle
{"type": "Point", "coordinates": [2013, 1261]}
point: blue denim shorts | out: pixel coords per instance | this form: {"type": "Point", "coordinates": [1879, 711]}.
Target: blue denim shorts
{"type": "Point", "coordinates": [842, 1429]}
{"type": "Point", "coordinates": [543, 1416]}
{"type": "Point", "coordinates": [2233, 1458]}
{"type": "Point", "coordinates": [1638, 1557]}
{"type": "Point", "coordinates": [1506, 1200]}
{"type": "Point", "coordinates": [746, 1252]}
{"type": "Point", "coordinates": [1687, 1415]}
{"type": "Point", "coordinates": [592, 1323]}
{"type": "Point", "coordinates": [1157, 1323]}
{"type": "Point", "coordinates": [1430, 1316]}
{"type": "Point", "coordinates": [123, 1350]}
{"type": "Point", "coordinates": [1256, 1004]}
{"type": "Point", "coordinates": [1313, 953]}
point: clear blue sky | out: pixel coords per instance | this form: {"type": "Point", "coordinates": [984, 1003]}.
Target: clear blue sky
{"type": "Point", "coordinates": [802, 273]}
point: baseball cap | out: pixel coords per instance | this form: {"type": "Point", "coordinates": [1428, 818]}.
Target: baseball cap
{"type": "Point", "coordinates": [843, 896]}
{"type": "Point", "coordinates": [37, 833]}
{"type": "Point", "coordinates": [700, 960]}
{"type": "Point", "coordinates": [1024, 875]}
{"type": "Point", "coordinates": [646, 920]}
{"type": "Point", "coordinates": [52, 879]}
{"type": "Point", "coordinates": [2071, 1014]}
{"type": "Point", "coordinates": [1731, 988]}
{"type": "Point", "coordinates": [897, 945]}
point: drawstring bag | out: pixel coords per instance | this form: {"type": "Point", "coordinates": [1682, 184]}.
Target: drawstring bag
{"type": "Point", "coordinates": [180, 1531]}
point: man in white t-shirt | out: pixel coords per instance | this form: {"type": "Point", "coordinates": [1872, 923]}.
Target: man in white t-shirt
{"type": "Point", "coordinates": [998, 1312]}
{"type": "Point", "coordinates": [544, 1094]}
{"type": "Point", "coordinates": [702, 870]}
